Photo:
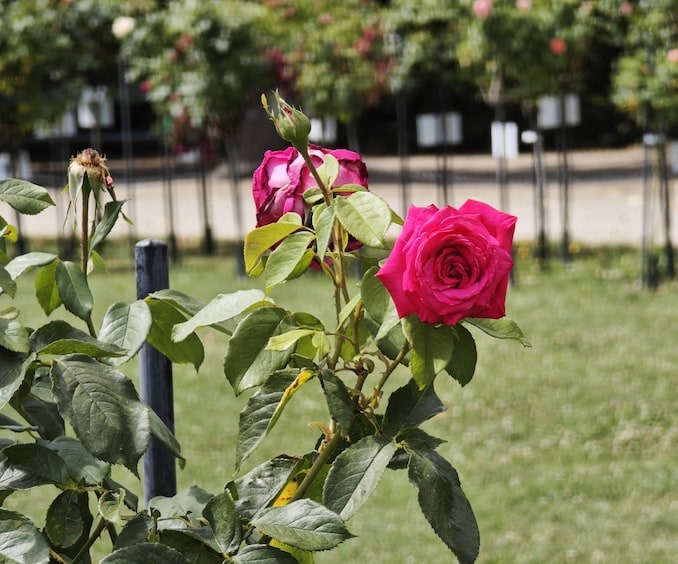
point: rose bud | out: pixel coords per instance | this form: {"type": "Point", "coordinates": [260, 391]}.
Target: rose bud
{"type": "Point", "coordinates": [290, 123]}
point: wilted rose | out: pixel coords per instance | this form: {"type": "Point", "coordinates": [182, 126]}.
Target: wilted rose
{"type": "Point", "coordinates": [281, 179]}
{"type": "Point", "coordinates": [449, 264]}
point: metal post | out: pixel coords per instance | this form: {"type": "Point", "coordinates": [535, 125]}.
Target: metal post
{"type": "Point", "coordinates": [155, 375]}
{"type": "Point", "coordinates": [401, 120]}
{"type": "Point", "coordinates": [127, 144]}
{"type": "Point", "coordinates": [542, 245]}
{"type": "Point", "coordinates": [665, 199]}
{"type": "Point", "coordinates": [564, 177]}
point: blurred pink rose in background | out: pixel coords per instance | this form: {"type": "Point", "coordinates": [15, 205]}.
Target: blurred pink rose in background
{"type": "Point", "coordinates": [482, 8]}
{"type": "Point", "coordinates": [449, 264]}
{"type": "Point", "coordinates": [672, 55]}
{"type": "Point", "coordinates": [279, 183]}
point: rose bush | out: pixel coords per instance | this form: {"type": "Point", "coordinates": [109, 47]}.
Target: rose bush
{"type": "Point", "coordinates": [448, 271]}
{"type": "Point", "coordinates": [282, 178]}
{"type": "Point", "coordinates": [449, 264]}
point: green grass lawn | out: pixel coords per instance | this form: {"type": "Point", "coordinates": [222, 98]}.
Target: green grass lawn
{"type": "Point", "coordinates": [568, 451]}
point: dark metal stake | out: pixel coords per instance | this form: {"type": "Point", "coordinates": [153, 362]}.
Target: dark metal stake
{"type": "Point", "coordinates": [155, 375]}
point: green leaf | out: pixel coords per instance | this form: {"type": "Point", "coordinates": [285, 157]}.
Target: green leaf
{"type": "Point", "coordinates": [66, 518]}
{"type": "Point", "coordinates": [12, 372]}
{"type": "Point", "coordinates": [288, 339]}
{"type": "Point", "coordinates": [432, 347]}
{"type": "Point", "coordinates": [22, 263]}
{"type": "Point", "coordinates": [192, 545]}
{"type": "Point", "coordinates": [261, 239]}
{"type": "Point", "coordinates": [74, 290]}
{"type": "Point", "coordinates": [284, 260]}
{"type": "Point", "coordinates": [38, 407]}
{"type": "Point", "coordinates": [256, 418]}
{"type": "Point", "coordinates": [40, 462]}
{"type": "Point", "coordinates": [355, 473]}
{"type": "Point", "coordinates": [503, 328]}
{"type": "Point", "coordinates": [323, 221]}
{"type": "Point", "coordinates": [103, 408]}
{"type": "Point", "coordinates": [260, 486]}
{"type": "Point", "coordinates": [161, 432]}
{"type": "Point", "coordinates": [7, 283]}
{"type": "Point", "coordinates": [339, 401]}
{"type": "Point", "coordinates": [365, 216]}
{"type": "Point", "coordinates": [13, 336]}
{"type": "Point", "coordinates": [444, 504]}
{"type": "Point", "coordinates": [20, 541]}
{"type": "Point", "coordinates": [222, 308]}
{"type": "Point", "coordinates": [248, 363]}
{"type": "Point", "coordinates": [382, 319]}
{"type": "Point", "coordinates": [222, 516]}
{"type": "Point", "coordinates": [146, 553]}
{"type": "Point", "coordinates": [378, 302]}
{"type": "Point", "coordinates": [263, 554]}
{"type": "Point", "coordinates": [180, 301]}
{"type": "Point", "coordinates": [81, 465]}
{"type": "Point", "coordinates": [60, 338]}
{"type": "Point", "coordinates": [303, 524]}
{"type": "Point", "coordinates": [111, 506]}
{"type": "Point", "coordinates": [329, 170]}
{"type": "Point", "coordinates": [25, 197]}
{"type": "Point", "coordinates": [46, 289]}
{"type": "Point", "coordinates": [110, 217]}
{"type": "Point", "coordinates": [126, 326]}
{"type": "Point", "coordinates": [165, 317]}
{"type": "Point", "coordinates": [462, 365]}
{"type": "Point", "coordinates": [187, 504]}
{"type": "Point", "coordinates": [135, 531]}
{"type": "Point", "coordinates": [409, 407]}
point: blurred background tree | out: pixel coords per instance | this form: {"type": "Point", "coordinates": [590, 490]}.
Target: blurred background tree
{"type": "Point", "coordinates": [646, 73]}
{"type": "Point", "coordinates": [331, 56]}
{"type": "Point", "coordinates": [200, 65]}
{"type": "Point", "coordinates": [49, 51]}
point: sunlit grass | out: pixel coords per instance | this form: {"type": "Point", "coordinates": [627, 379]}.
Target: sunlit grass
{"type": "Point", "coordinates": [567, 450]}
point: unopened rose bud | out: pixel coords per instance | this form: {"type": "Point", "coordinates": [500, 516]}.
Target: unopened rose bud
{"type": "Point", "coordinates": [290, 123]}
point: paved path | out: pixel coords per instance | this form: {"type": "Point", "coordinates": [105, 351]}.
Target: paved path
{"type": "Point", "coordinates": [606, 197]}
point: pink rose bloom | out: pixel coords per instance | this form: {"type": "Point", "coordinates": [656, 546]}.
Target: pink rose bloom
{"type": "Point", "coordinates": [482, 8]}
{"type": "Point", "coordinates": [672, 55]}
{"type": "Point", "coordinates": [450, 263]}
{"type": "Point", "coordinates": [279, 183]}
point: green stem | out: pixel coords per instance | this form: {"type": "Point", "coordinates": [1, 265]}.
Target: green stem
{"type": "Point", "coordinates": [84, 233]}
{"type": "Point", "coordinates": [101, 525]}
{"type": "Point", "coordinates": [389, 370]}
{"type": "Point", "coordinates": [314, 172]}
{"type": "Point", "coordinates": [323, 456]}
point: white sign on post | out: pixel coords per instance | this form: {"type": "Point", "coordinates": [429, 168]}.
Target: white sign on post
{"type": "Point", "coordinates": [504, 139]}
{"type": "Point", "coordinates": [439, 129]}
{"type": "Point", "coordinates": [64, 127]}
{"type": "Point", "coordinates": [95, 108]}
{"type": "Point", "coordinates": [673, 153]}
{"type": "Point", "coordinates": [549, 111]}
{"type": "Point", "coordinates": [24, 169]}
{"type": "Point", "coordinates": [323, 130]}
